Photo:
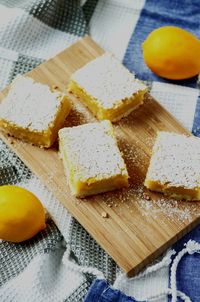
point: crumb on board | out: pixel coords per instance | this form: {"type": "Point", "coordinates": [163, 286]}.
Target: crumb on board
{"type": "Point", "coordinates": [104, 215]}
{"type": "Point", "coordinates": [55, 87]}
{"type": "Point", "coordinates": [146, 196]}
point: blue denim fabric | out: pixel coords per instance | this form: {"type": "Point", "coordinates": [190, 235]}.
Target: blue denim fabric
{"type": "Point", "coordinates": [188, 271]}
{"type": "Point", "coordinates": [100, 291]}
{"type": "Point", "coordinates": [196, 123]}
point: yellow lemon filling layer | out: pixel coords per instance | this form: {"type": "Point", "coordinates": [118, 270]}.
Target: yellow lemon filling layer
{"type": "Point", "coordinates": [121, 109]}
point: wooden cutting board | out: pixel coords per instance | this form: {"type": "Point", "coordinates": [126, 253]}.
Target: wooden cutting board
{"type": "Point", "coordinates": [140, 225]}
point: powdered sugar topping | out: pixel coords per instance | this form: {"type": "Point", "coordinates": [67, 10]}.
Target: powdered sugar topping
{"type": "Point", "coordinates": [93, 151]}
{"type": "Point", "coordinates": [176, 160]}
{"type": "Point", "coordinates": [107, 80]}
{"type": "Point", "coordinates": [29, 104]}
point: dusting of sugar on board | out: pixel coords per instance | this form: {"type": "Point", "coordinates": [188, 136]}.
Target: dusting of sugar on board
{"type": "Point", "coordinates": [78, 115]}
{"type": "Point", "coordinates": [151, 206]}
{"type": "Point", "coordinates": [154, 205]}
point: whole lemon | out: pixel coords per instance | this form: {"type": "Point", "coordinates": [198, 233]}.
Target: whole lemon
{"type": "Point", "coordinates": [21, 214]}
{"type": "Point", "coordinates": [172, 53]}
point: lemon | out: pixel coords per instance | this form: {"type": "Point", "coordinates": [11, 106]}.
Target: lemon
{"type": "Point", "coordinates": [172, 53]}
{"type": "Point", "coordinates": [21, 214]}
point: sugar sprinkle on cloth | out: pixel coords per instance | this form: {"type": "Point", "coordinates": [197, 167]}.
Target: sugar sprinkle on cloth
{"type": "Point", "coordinates": [45, 268]}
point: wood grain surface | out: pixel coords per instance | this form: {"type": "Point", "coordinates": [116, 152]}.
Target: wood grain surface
{"type": "Point", "coordinates": [140, 224]}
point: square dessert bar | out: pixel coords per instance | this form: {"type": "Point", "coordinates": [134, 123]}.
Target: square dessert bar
{"type": "Point", "coordinates": [32, 112]}
{"type": "Point", "coordinates": [91, 158]}
{"type": "Point", "coordinates": [107, 88]}
{"type": "Point", "coordinates": [175, 166]}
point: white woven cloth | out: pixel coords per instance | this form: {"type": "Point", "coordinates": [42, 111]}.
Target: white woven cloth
{"type": "Point", "coordinates": [47, 277]}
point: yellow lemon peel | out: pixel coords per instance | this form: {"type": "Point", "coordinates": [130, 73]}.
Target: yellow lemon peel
{"type": "Point", "coordinates": [172, 53]}
{"type": "Point", "coordinates": [22, 215]}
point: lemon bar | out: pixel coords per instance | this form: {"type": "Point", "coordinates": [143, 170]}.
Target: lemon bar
{"type": "Point", "coordinates": [91, 158]}
{"type": "Point", "coordinates": [32, 112]}
{"type": "Point", "coordinates": [107, 88]}
{"type": "Point", "coordinates": [175, 166]}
